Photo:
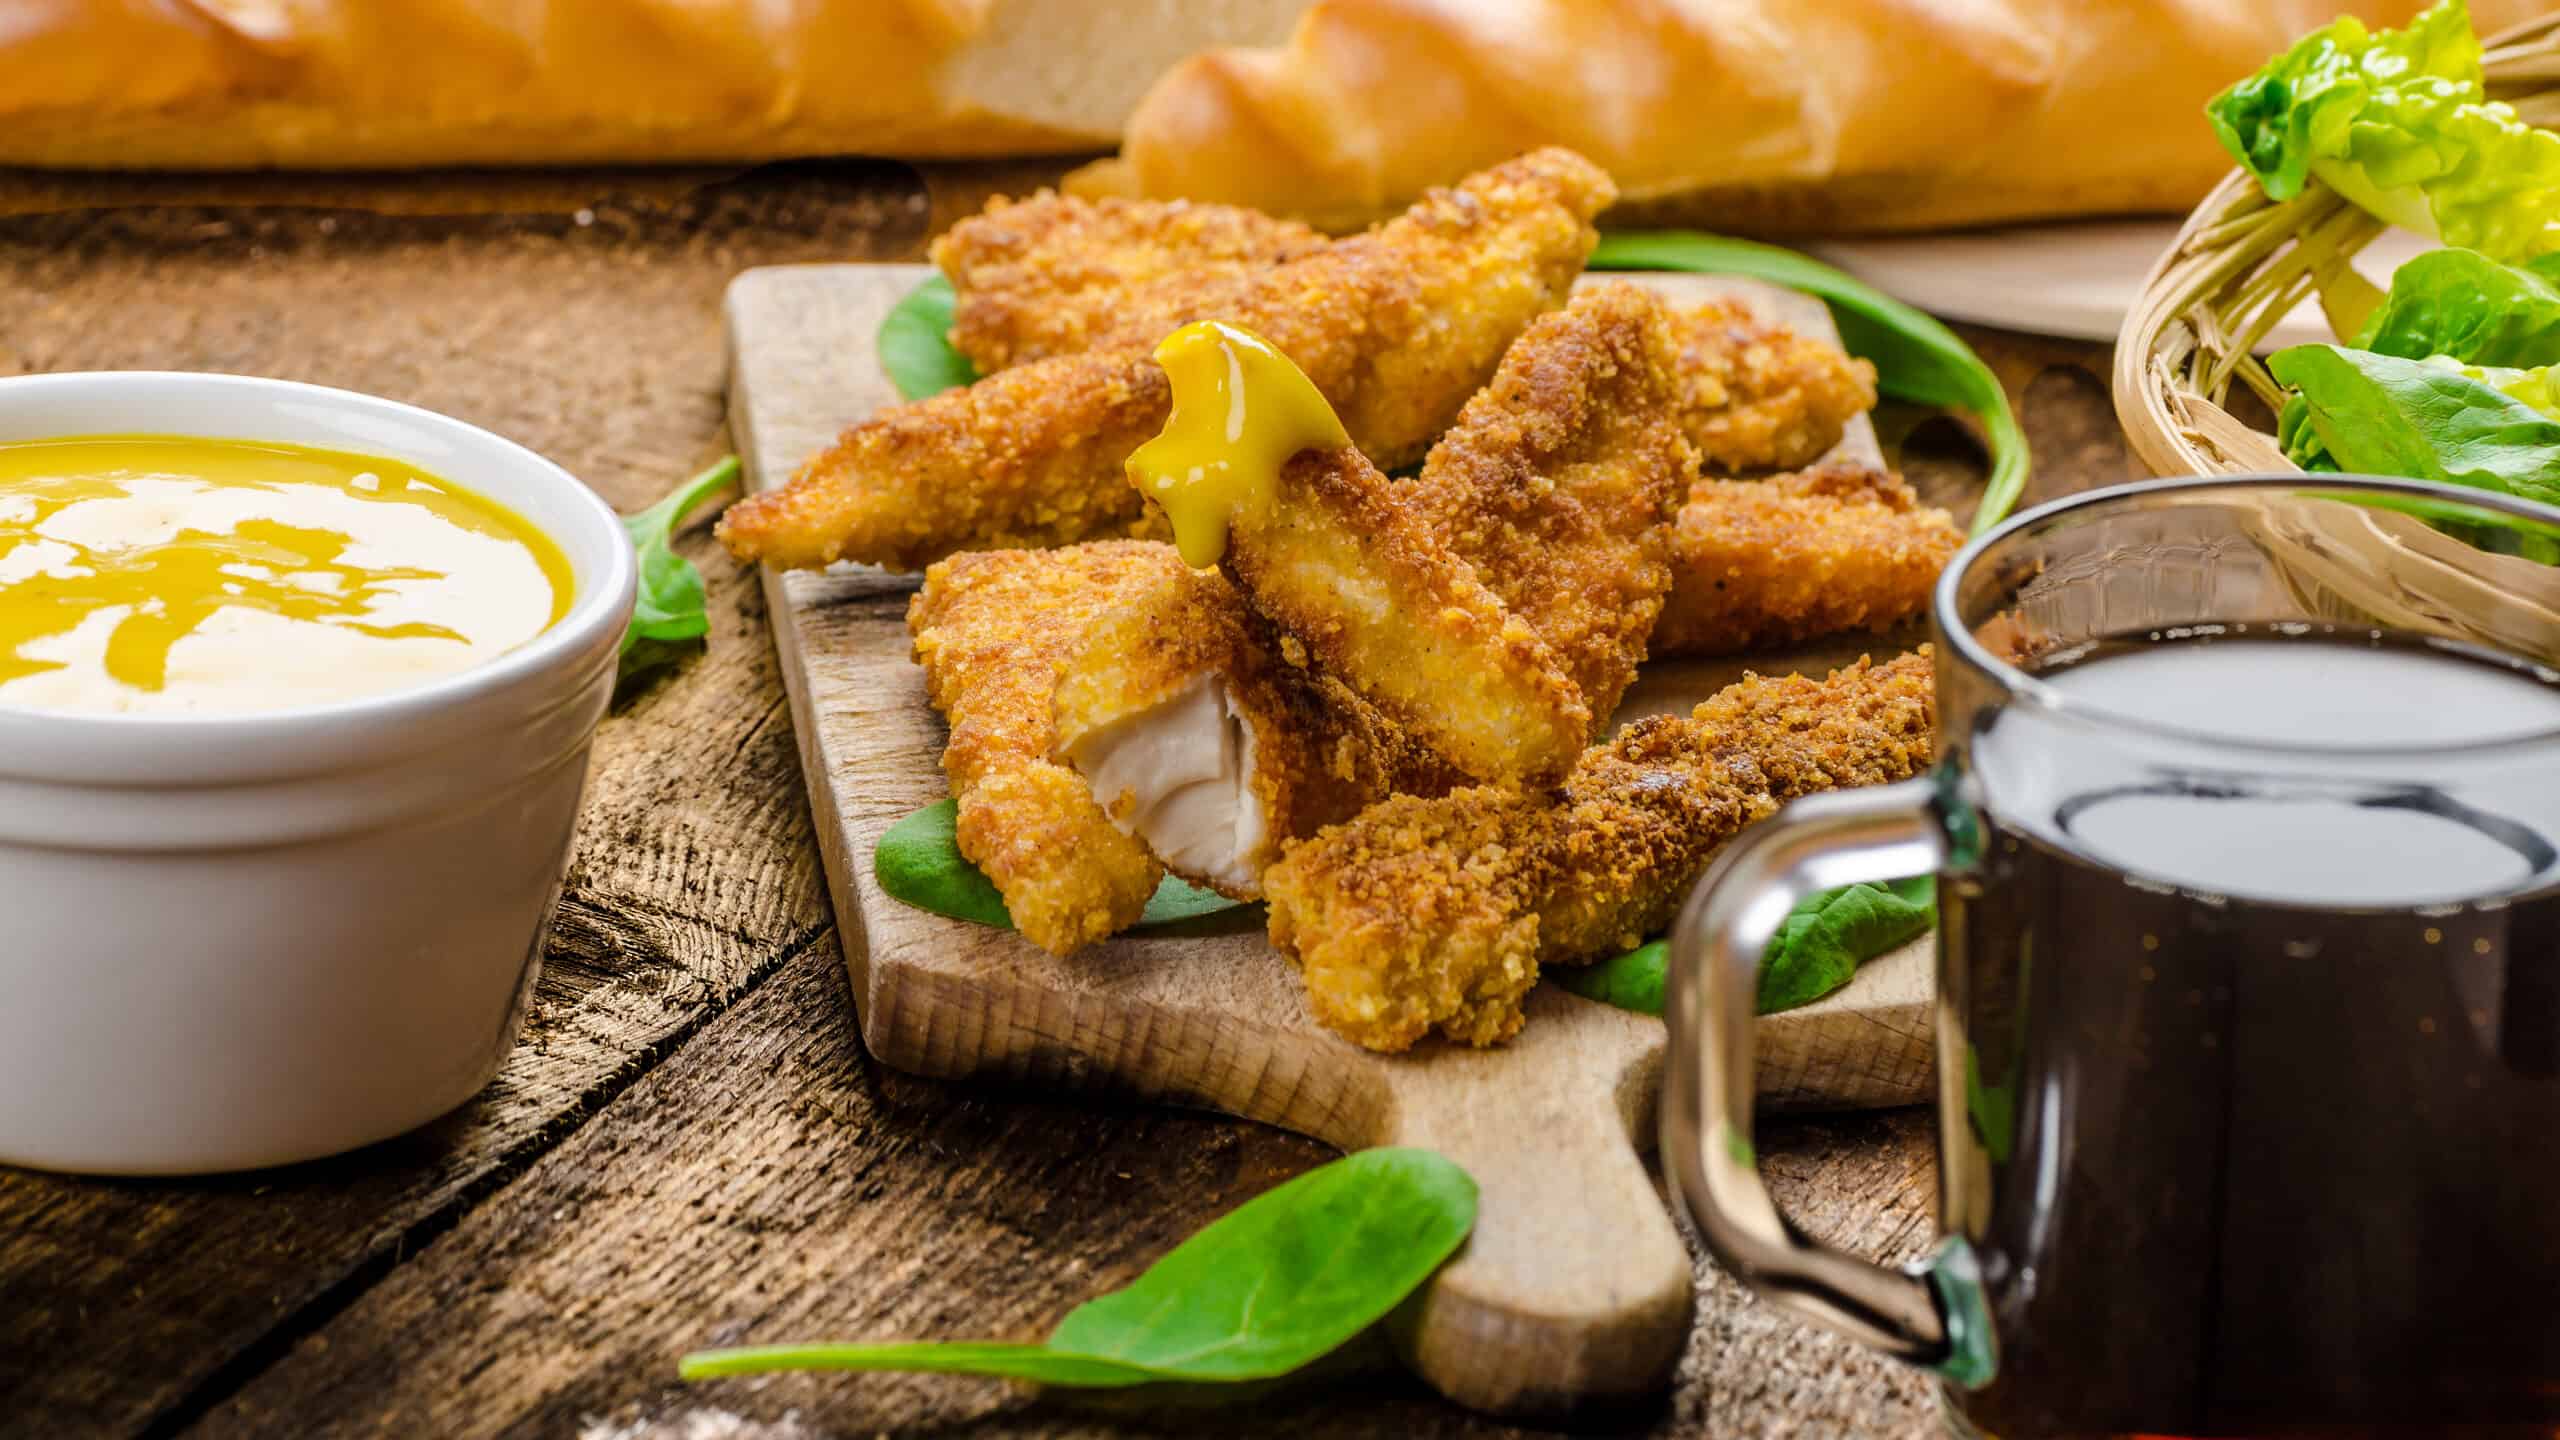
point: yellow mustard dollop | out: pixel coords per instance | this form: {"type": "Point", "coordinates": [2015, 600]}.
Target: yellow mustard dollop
{"type": "Point", "coordinates": [165, 573]}
{"type": "Point", "coordinates": [1240, 410]}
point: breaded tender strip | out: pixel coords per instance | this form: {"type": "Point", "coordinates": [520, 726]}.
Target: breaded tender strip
{"type": "Point", "coordinates": [1050, 275]}
{"type": "Point", "coordinates": [1006, 463]}
{"type": "Point", "coordinates": [1560, 480]}
{"type": "Point", "coordinates": [1626, 854]}
{"type": "Point", "coordinates": [1762, 396]}
{"type": "Point", "coordinates": [1396, 327]}
{"type": "Point", "coordinates": [1766, 564]}
{"type": "Point", "coordinates": [991, 631]}
{"type": "Point", "coordinates": [1201, 742]}
{"type": "Point", "coordinates": [1427, 914]}
{"type": "Point", "coordinates": [1381, 603]}
{"type": "Point", "coordinates": [1401, 325]}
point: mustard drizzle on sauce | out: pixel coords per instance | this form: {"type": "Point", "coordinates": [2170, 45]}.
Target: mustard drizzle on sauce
{"type": "Point", "coordinates": [1240, 411]}
{"type": "Point", "coordinates": [163, 541]}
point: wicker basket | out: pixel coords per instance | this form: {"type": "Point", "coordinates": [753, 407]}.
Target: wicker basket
{"type": "Point", "coordinates": [2242, 263]}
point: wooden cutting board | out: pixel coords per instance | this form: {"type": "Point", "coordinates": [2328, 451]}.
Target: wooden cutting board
{"type": "Point", "coordinates": [1575, 1286]}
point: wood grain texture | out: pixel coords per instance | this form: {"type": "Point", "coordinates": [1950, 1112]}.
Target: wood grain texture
{"type": "Point", "coordinates": [772, 1182]}
{"type": "Point", "coordinates": [691, 1147]}
{"type": "Point", "coordinates": [692, 875]}
{"type": "Point", "coordinates": [1574, 1286]}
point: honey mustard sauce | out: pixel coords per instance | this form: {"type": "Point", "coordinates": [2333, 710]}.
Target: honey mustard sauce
{"type": "Point", "coordinates": [154, 574]}
{"type": "Point", "coordinates": [1240, 411]}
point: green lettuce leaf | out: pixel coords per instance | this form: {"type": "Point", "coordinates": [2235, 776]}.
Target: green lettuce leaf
{"type": "Point", "coordinates": [2463, 304]}
{"type": "Point", "coordinates": [2398, 121]}
{"type": "Point", "coordinates": [2493, 531]}
{"type": "Point", "coordinates": [2429, 419]}
{"type": "Point", "coordinates": [1818, 949]}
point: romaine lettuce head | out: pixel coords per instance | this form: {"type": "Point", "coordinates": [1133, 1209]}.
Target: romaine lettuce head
{"type": "Point", "coordinates": [2398, 122]}
{"type": "Point", "coordinates": [2465, 305]}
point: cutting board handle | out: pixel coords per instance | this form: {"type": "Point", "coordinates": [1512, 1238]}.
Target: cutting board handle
{"type": "Point", "coordinates": [1574, 1289]}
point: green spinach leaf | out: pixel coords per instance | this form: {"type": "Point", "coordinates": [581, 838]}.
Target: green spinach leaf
{"type": "Point", "coordinates": [669, 618]}
{"type": "Point", "coordinates": [1818, 949]}
{"type": "Point", "coordinates": [1632, 981]}
{"type": "Point", "coordinates": [918, 862]}
{"type": "Point", "coordinates": [1916, 358]}
{"type": "Point", "coordinates": [1274, 1285]}
{"type": "Point", "coordinates": [1823, 941]}
{"type": "Point", "coordinates": [2384, 415]}
{"type": "Point", "coordinates": [915, 343]}
{"type": "Point", "coordinates": [2463, 304]}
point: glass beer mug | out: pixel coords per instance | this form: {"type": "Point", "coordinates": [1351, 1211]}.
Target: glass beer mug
{"type": "Point", "coordinates": [2244, 822]}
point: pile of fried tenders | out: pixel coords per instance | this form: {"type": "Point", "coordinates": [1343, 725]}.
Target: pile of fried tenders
{"type": "Point", "coordinates": [1385, 709]}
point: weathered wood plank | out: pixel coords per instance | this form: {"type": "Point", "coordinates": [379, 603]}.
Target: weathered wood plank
{"type": "Point", "coordinates": [596, 344]}
{"type": "Point", "coordinates": [772, 1182]}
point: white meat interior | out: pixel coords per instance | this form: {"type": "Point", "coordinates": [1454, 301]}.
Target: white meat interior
{"type": "Point", "coordinates": [1185, 771]}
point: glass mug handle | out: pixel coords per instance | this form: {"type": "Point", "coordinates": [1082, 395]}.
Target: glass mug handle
{"type": "Point", "coordinates": [1931, 1314]}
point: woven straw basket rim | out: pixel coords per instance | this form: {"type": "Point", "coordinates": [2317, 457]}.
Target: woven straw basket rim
{"type": "Point", "coordinates": [2237, 267]}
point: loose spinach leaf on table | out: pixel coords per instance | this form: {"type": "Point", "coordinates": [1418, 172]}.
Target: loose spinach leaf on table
{"type": "Point", "coordinates": [2382, 415]}
{"type": "Point", "coordinates": [918, 862]}
{"type": "Point", "coordinates": [1818, 949]}
{"type": "Point", "coordinates": [1269, 1288]}
{"type": "Point", "coordinates": [915, 343]}
{"type": "Point", "coordinates": [669, 618]}
{"type": "Point", "coordinates": [1916, 358]}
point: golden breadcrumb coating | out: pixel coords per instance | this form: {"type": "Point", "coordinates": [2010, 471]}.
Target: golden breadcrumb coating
{"type": "Point", "coordinates": [1427, 914]}
{"type": "Point", "coordinates": [1319, 754]}
{"type": "Point", "coordinates": [1396, 327]}
{"type": "Point", "coordinates": [1560, 480]}
{"type": "Point", "coordinates": [1380, 602]}
{"type": "Point", "coordinates": [1763, 564]}
{"type": "Point", "coordinates": [1050, 275]}
{"type": "Point", "coordinates": [991, 631]}
{"type": "Point", "coordinates": [1779, 738]}
{"type": "Point", "coordinates": [1007, 463]}
{"type": "Point", "coordinates": [1761, 396]}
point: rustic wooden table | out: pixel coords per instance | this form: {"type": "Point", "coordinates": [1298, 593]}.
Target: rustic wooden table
{"type": "Point", "coordinates": [691, 1145]}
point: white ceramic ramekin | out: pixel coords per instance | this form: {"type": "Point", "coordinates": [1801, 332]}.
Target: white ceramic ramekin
{"type": "Point", "coordinates": [240, 941]}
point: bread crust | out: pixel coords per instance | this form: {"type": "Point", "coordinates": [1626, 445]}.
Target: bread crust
{"type": "Point", "coordinates": [401, 84]}
{"type": "Point", "coordinates": [1774, 116]}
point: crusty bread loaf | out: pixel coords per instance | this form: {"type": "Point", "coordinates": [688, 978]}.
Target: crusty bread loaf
{"type": "Point", "coordinates": [1758, 115]}
{"type": "Point", "coordinates": [245, 84]}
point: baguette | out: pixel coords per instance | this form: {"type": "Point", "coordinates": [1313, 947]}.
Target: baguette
{"type": "Point", "coordinates": [395, 84]}
{"type": "Point", "coordinates": [1775, 116]}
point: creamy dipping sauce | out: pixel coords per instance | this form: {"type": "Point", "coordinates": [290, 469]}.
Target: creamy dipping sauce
{"type": "Point", "coordinates": [1241, 410]}
{"type": "Point", "coordinates": [169, 574]}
